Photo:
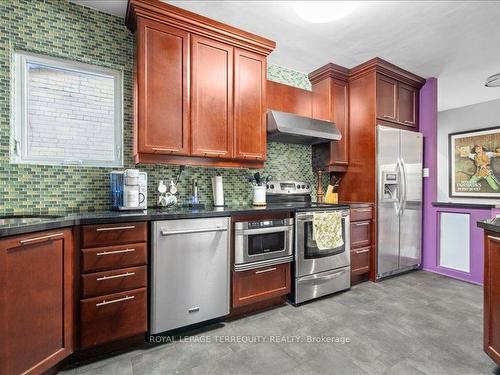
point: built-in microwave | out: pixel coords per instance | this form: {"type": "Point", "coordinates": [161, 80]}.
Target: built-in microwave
{"type": "Point", "coordinates": [262, 243]}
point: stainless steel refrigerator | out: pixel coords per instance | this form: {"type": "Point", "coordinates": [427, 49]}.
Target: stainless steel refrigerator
{"type": "Point", "coordinates": [399, 200]}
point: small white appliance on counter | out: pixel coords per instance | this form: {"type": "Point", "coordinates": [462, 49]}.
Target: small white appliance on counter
{"type": "Point", "coordinates": [218, 191]}
{"type": "Point", "coordinates": [129, 189]}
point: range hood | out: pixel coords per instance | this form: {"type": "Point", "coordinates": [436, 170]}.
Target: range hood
{"type": "Point", "coordinates": [289, 128]}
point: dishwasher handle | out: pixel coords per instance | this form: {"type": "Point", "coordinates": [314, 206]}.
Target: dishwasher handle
{"type": "Point", "coordinates": [188, 231]}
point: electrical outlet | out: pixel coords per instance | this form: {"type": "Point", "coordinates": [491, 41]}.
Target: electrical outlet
{"type": "Point", "coordinates": [425, 172]}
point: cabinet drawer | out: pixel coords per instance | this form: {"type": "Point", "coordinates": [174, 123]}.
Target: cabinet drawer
{"type": "Point", "coordinates": [260, 284]}
{"type": "Point", "coordinates": [107, 282]}
{"type": "Point", "coordinates": [112, 317]}
{"type": "Point", "coordinates": [113, 234]}
{"type": "Point", "coordinates": [360, 234]}
{"type": "Point", "coordinates": [360, 214]}
{"type": "Point", "coordinates": [113, 257]}
{"type": "Point", "coordinates": [360, 261]}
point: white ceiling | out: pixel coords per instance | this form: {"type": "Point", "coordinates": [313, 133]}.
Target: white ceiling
{"type": "Point", "coordinates": [455, 41]}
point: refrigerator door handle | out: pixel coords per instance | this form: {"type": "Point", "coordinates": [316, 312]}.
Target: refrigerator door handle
{"type": "Point", "coordinates": [399, 204]}
{"type": "Point", "coordinates": [404, 194]}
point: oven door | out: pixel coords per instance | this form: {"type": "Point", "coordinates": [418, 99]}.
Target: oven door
{"type": "Point", "coordinates": [309, 259]}
{"type": "Point", "coordinates": [262, 244]}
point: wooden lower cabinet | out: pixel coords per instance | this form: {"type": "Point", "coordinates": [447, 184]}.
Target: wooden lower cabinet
{"type": "Point", "coordinates": [491, 324]}
{"type": "Point", "coordinates": [360, 261]}
{"type": "Point", "coordinates": [36, 301]}
{"type": "Point", "coordinates": [260, 284]}
{"type": "Point", "coordinates": [360, 233]}
{"type": "Point", "coordinates": [112, 317]}
{"type": "Point", "coordinates": [113, 283]}
{"type": "Point", "coordinates": [361, 242]}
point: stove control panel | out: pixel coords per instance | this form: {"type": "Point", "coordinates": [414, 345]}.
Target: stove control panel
{"type": "Point", "coordinates": [288, 187]}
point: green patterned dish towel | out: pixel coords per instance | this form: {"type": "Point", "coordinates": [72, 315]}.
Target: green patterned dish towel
{"type": "Point", "coordinates": [327, 229]}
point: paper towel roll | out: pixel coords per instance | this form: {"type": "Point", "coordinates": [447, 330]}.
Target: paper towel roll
{"type": "Point", "coordinates": [218, 191]}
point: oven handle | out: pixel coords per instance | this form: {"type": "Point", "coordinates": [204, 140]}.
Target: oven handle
{"type": "Point", "coordinates": [327, 277]}
{"type": "Point", "coordinates": [248, 232]}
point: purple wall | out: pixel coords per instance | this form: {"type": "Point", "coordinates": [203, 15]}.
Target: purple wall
{"type": "Point", "coordinates": [431, 214]}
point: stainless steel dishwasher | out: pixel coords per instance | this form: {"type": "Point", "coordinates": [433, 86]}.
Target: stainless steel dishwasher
{"type": "Point", "coordinates": [190, 272]}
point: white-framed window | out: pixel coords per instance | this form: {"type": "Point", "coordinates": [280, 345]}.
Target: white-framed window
{"type": "Point", "coordinates": [66, 112]}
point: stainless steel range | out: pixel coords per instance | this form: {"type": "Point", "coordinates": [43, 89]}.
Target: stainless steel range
{"type": "Point", "coordinates": [316, 272]}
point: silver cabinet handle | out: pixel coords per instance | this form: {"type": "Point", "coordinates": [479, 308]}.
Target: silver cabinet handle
{"type": "Point", "coordinates": [115, 252]}
{"type": "Point", "coordinates": [266, 270]}
{"type": "Point", "coordinates": [194, 309]}
{"type": "Point", "coordinates": [126, 274]}
{"type": "Point", "coordinates": [163, 149]}
{"type": "Point", "coordinates": [115, 228]}
{"type": "Point", "coordinates": [320, 278]}
{"type": "Point", "coordinates": [408, 122]}
{"type": "Point", "coordinates": [360, 224]}
{"type": "Point", "coordinates": [41, 238]}
{"type": "Point", "coordinates": [362, 209]}
{"type": "Point", "coordinates": [387, 116]}
{"type": "Point", "coordinates": [103, 303]}
{"type": "Point", "coordinates": [202, 230]}
{"type": "Point", "coordinates": [494, 238]}
{"type": "Point", "coordinates": [362, 251]}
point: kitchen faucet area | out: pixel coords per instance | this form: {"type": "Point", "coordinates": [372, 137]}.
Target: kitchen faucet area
{"type": "Point", "coordinates": [249, 187]}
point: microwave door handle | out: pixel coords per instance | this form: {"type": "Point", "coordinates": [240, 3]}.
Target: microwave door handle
{"type": "Point", "coordinates": [285, 228]}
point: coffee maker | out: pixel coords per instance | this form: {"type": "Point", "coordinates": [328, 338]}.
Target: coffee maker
{"type": "Point", "coordinates": [129, 190]}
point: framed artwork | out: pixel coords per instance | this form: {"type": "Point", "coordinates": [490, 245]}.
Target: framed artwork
{"type": "Point", "coordinates": [474, 163]}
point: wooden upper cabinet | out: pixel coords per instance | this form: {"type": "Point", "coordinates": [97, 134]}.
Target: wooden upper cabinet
{"type": "Point", "coordinates": [211, 98]}
{"type": "Point", "coordinates": [340, 105]}
{"type": "Point", "coordinates": [330, 102]}
{"type": "Point", "coordinates": [36, 301]}
{"type": "Point", "coordinates": [387, 98]}
{"type": "Point", "coordinates": [407, 105]}
{"type": "Point", "coordinates": [249, 105]}
{"type": "Point", "coordinates": [200, 89]}
{"type": "Point", "coordinates": [162, 82]}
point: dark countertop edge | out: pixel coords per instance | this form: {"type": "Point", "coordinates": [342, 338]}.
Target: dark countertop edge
{"type": "Point", "coordinates": [492, 225]}
{"type": "Point", "coordinates": [463, 205]}
{"type": "Point", "coordinates": [105, 217]}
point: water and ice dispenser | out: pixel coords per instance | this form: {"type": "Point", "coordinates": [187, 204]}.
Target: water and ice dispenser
{"type": "Point", "coordinates": [390, 186]}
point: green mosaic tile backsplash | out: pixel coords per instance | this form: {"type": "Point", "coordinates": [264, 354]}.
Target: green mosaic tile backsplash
{"type": "Point", "coordinates": [59, 28]}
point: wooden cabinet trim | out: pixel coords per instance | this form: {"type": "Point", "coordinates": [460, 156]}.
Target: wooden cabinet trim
{"type": "Point", "coordinates": [197, 24]}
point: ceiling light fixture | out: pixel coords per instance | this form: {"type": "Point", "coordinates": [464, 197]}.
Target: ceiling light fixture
{"type": "Point", "coordinates": [324, 11]}
{"type": "Point", "coordinates": [493, 81]}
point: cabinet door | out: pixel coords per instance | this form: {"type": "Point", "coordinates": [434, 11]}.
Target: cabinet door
{"type": "Point", "coordinates": [407, 105]}
{"type": "Point", "coordinates": [249, 102]}
{"type": "Point", "coordinates": [491, 324]}
{"type": "Point", "coordinates": [211, 98]}
{"type": "Point", "coordinates": [260, 284]}
{"type": "Point", "coordinates": [162, 89]}
{"type": "Point", "coordinates": [340, 115]}
{"type": "Point", "coordinates": [387, 92]}
{"type": "Point", "coordinates": [36, 301]}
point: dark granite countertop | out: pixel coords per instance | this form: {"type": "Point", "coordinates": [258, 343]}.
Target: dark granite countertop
{"type": "Point", "coordinates": [61, 220]}
{"type": "Point", "coordinates": [492, 225]}
{"type": "Point", "coordinates": [464, 205]}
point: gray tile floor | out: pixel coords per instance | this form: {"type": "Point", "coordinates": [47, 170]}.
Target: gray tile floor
{"type": "Point", "coordinates": [418, 323]}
